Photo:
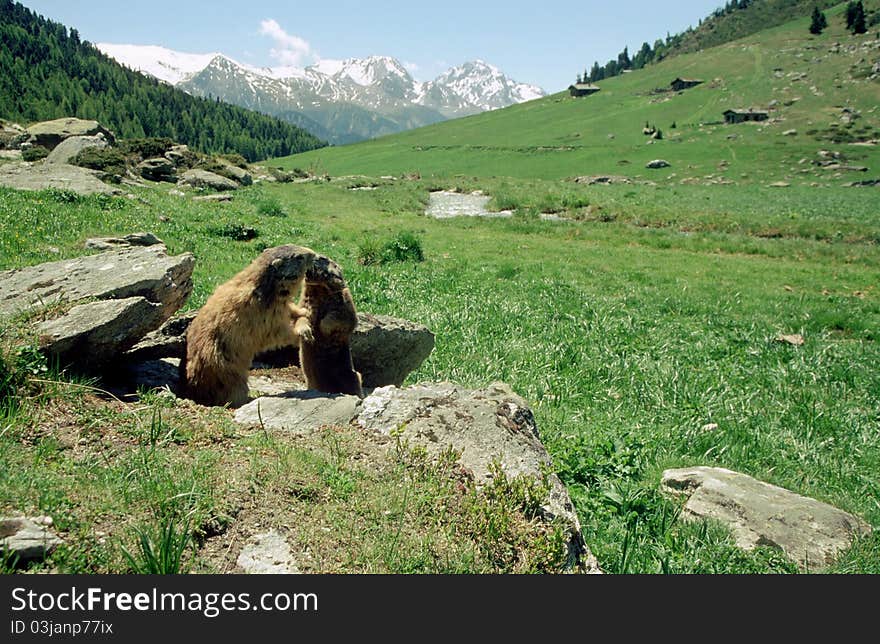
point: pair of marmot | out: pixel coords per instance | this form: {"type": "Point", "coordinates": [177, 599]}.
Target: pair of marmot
{"type": "Point", "coordinates": [253, 312]}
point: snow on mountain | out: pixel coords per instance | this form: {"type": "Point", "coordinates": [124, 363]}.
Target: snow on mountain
{"type": "Point", "coordinates": [165, 64]}
{"type": "Point", "coordinates": [338, 94]}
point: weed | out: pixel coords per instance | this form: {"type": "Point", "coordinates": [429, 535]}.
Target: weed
{"type": "Point", "coordinates": [160, 547]}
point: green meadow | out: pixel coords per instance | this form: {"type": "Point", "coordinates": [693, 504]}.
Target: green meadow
{"type": "Point", "coordinates": [645, 329]}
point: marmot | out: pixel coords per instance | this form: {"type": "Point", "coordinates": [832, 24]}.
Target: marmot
{"type": "Point", "coordinates": [325, 359]}
{"type": "Point", "coordinates": [250, 313]}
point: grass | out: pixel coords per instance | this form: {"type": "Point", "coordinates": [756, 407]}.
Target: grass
{"type": "Point", "coordinates": [642, 329]}
{"type": "Point", "coordinates": [629, 336]}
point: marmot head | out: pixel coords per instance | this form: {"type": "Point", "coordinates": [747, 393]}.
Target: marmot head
{"type": "Point", "coordinates": [327, 273]}
{"type": "Point", "coordinates": [283, 269]}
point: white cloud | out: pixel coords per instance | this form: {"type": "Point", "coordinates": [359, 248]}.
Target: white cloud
{"type": "Point", "coordinates": [412, 68]}
{"type": "Point", "coordinates": [289, 50]}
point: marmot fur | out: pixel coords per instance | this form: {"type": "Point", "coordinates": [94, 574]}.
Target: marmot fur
{"type": "Point", "coordinates": [326, 358]}
{"type": "Point", "coordinates": [250, 313]}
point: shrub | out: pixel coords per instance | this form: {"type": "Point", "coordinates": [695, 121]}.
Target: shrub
{"type": "Point", "coordinates": [109, 160]}
{"type": "Point", "coordinates": [34, 153]}
{"type": "Point", "coordinates": [234, 159]}
{"type": "Point", "coordinates": [404, 247]}
{"type": "Point", "coordinates": [149, 148]}
{"type": "Point", "coordinates": [271, 208]}
{"type": "Point", "coordinates": [238, 232]}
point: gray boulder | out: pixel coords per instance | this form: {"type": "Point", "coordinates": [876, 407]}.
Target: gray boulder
{"type": "Point", "coordinates": [386, 350]}
{"type": "Point", "coordinates": [240, 175]}
{"type": "Point", "coordinates": [218, 198]}
{"type": "Point", "coordinates": [61, 176]}
{"type": "Point", "coordinates": [159, 169]}
{"type": "Point", "coordinates": [27, 540]}
{"type": "Point", "coordinates": [128, 272]}
{"type": "Point", "coordinates": [299, 412]}
{"type": "Point", "coordinates": [90, 336]}
{"type": "Point", "coordinates": [205, 179]}
{"type": "Point", "coordinates": [50, 133]}
{"type": "Point", "coordinates": [267, 554]}
{"type": "Point", "coordinates": [484, 425]}
{"type": "Point", "coordinates": [134, 239]}
{"type": "Point", "coordinates": [809, 532]}
{"type": "Point", "coordinates": [65, 151]}
{"type": "Point", "coordinates": [657, 164]}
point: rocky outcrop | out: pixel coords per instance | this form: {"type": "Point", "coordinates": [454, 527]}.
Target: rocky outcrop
{"type": "Point", "coordinates": [91, 336]}
{"type": "Point", "coordinates": [159, 169]}
{"type": "Point", "coordinates": [809, 532]}
{"type": "Point", "coordinates": [168, 341]}
{"type": "Point", "coordinates": [239, 175]}
{"type": "Point", "coordinates": [386, 350]}
{"type": "Point", "coordinates": [25, 540]}
{"type": "Point", "coordinates": [657, 164]}
{"type": "Point", "coordinates": [484, 426]}
{"type": "Point", "coordinates": [61, 176]}
{"type": "Point", "coordinates": [267, 554]}
{"type": "Point", "coordinates": [65, 151]}
{"type": "Point", "coordinates": [50, 133]}
{"type": "Point", "coordinates": [205, 179]}
{"type": "Point", "coordinates": [129, 272]}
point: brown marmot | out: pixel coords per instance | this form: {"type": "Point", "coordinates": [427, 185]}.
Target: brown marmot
{"type": "Point", "coordinates": [326, 358]}
{"type": "Point", "coordinates": [250, 313]}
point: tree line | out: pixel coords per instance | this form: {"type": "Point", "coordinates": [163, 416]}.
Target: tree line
{"type": "Point", "coordinates": [48, 72]}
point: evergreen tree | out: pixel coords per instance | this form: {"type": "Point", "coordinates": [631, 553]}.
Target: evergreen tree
{"type": "Point", "coordinates": [819, 22]}
{"type": "Point", "coordinates": [850, 15]}
{"type": "Point", "coordinates": [858, 20]}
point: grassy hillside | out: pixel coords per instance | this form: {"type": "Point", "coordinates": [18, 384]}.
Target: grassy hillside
{"type": "Point", "coordinates": [559, 137]}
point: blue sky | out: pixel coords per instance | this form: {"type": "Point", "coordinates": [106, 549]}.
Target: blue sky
{"type": "Point", "coordinates": [544, 42]}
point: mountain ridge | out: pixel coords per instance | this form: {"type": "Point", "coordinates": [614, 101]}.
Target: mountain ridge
{"type": "Point", "coordinates": [334, 93]}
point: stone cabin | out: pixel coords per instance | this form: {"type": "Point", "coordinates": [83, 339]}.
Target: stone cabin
{"type": "Point", "coordinates": [680, 84]}
{"type": "Point", "coordinates": [741, 116]}
{"type": "Point", "coordinates": [583, 89]}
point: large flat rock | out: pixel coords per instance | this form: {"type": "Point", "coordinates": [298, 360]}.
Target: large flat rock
{"type": "Point", "coordinates": [42, 176]}
{"type": "Point", "coordinates": [50, 133]}
{"type": "Point", "coordinates": [91, 336]}
{"type": "Point", "coordinates": [299, 412]}
{"type": "Point", "coordinates": [205, 179]}
{"type": "Point", "coordinates": [267, 554]}
{"type": "Point", "coordinates": [809, 532]}
{"type": "Point", "coordinates": [65, 151]}
{"type": "Point", "coordinates": [128, 272]}
{"type": "Point", "coordinates": [484, 425]}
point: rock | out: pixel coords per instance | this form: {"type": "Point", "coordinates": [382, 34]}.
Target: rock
{"type": "Point", "coordinates": [61, 176]}
{"type": "Point", "coordinates": [603, 179]}
{"type": "Point", "coordinates": [865, 183]}
{"type": "Point", "coordinates": [128, 272]}
{"type": "Point", "coordinates": [486, 425]}
{"type": "Point", "coordinates": [809, 532]}
{"type": "Point", "coordinates": [158, 169]}
{"type": "Point", "coordinates": [50, 133]}
{"type": "Point", "coordinates": [267, 554]}
{"type": "Point", "coordinates": [299, 412]}
{"type": "Point", "coordinates": [656, 164]}
{"type": "Point", "coordinates": [168, 341]}
{"type": "Point", "coordinates": [205, 179]}
{"type": "Point", "coordinates": [10, 155]}
{"type": "Point", "coordinates": [780, 184]}
{"type": "Point", "coordinates": [795, 340]}
{"type": "Point", "coordinates": [790, 133]}
{"type": "Point", "coordinates": [386, 350]}
{"type": "Point", "coordinates": [179, 155]}
{"type": "Point", "coordinates": [26, 540]}
{"type": "Point", "coordinates": [174, 192]}
{"type": "Point", "coordinates": [239, 175]}
{"type": "Point", "coordinates": [134, 239]}
{"type": "Point", "coordinates": [92, 335]}
{"type": "Point", "coordinates": [218, 198]}
{"type": "Point", "coordinates": [65, 151]}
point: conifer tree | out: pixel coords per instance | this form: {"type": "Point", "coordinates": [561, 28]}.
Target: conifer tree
{"type": "Point", "coordinates": [819, 22]}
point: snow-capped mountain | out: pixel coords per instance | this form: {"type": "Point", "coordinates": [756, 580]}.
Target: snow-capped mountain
{"type": "Point", "coordinates": [341, 100]}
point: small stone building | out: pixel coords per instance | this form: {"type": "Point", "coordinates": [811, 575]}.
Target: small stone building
{"type": "Point", "coordinates": [583, 89]}
{"type": "Point", "coordinates": [680, 84]}
{"type": "Point", "coordinates": [741, 116]}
